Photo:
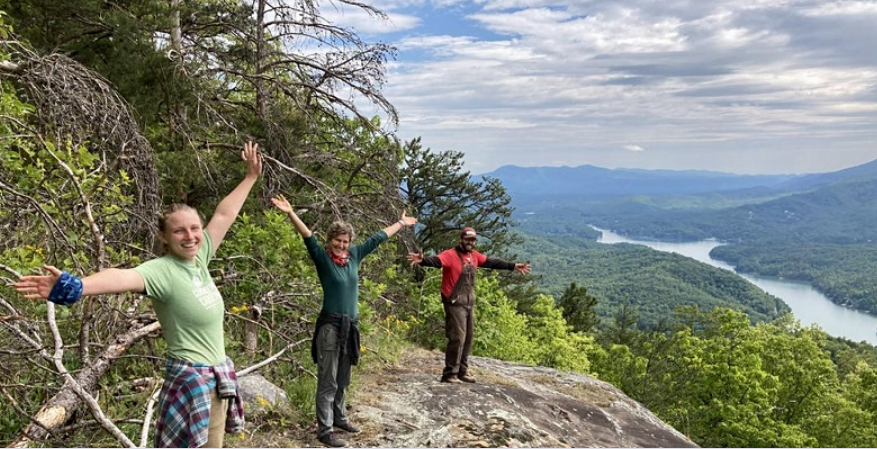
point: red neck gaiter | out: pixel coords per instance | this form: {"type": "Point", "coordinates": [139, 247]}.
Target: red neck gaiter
{"type": "Point", "coordinates": [341, 260]}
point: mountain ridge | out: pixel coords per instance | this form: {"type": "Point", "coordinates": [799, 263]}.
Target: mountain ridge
{"type": "Point", "coordinates": [596, 182]}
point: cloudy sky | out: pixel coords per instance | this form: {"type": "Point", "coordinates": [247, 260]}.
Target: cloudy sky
{"type": "Point", "coordinates": [743, 86]}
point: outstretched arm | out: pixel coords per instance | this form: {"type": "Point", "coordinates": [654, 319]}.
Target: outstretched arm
{"type": "Point", "coordinates": [499, 264]}
{"type": "Point", "coordinates": [112, 280]}
{"type": "Point", "coordinates": [281, 203]}
{"type": "Point", "coordinates": [227, 210]}
{"type": "Point", "coordinates": [418, 259]}
{"type": "Point", "coordinates": [401, 224]}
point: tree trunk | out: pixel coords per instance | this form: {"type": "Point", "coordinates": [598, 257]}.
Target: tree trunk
{"type": "Point", "coordinates": [176, 32]}
{"type": "Point", "coordinates": [251, 337]}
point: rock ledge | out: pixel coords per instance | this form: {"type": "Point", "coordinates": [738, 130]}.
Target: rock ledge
{"type": "Point", "coordinates": [511, 405]}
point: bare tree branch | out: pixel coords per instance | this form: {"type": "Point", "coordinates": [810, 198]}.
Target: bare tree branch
{"type": "Point", "coordinates": [59, 408]}
{"type": "Point", "coordinates": [270, 359]}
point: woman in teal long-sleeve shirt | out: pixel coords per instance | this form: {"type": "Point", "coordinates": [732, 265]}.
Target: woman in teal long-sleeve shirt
{"type": "Point", "coordinates": [335, 346]}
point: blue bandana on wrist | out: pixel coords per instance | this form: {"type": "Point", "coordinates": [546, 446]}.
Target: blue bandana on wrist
{"type": "Point", "coordinates": [67, 290]}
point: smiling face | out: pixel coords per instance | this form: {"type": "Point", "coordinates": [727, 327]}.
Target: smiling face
{"type": "Point", "coordinates": [339, 244]}
{"type": "Point", "coordinates": [338, 238]}
{"type": "Point", "coordinates": [182, 233]}
{"type": "Point", "coordinates": [468, 243]}
{"type": "Point", "coordinates": [468, 238]}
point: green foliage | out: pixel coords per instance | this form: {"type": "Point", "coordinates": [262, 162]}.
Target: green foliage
{"type": "Point", "coordinates": [447, 198]}
{"type": "Point", "coordinates": [118, 42]}
{"type": "Point", "coordinates": [726, 382]}
{"type": "Point", "coordinates": [843, 272]}
{"type": "Point", "coordinates": [498, 325]}
{"type": "Point", "coordinates": [650, 281]}
{"type": "Point", "coordinates": [269, 270]}
{"type": "Point", "coordinates": [557, 344]}
{"type": "Point", "coordinates": [579, 308]}
{"type": "Point", "coordinates": [540, 337]}
{"type": "Point", "coordinates": [620, 366]}
{"type": "Point", "coordinates": [59, 207]}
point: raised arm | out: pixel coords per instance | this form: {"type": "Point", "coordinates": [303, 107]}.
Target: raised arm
{"type": "Point", "coordinates": [227, 210]}
{"type": "Point", "coordinates": [401, 224]}
{"type": "Point", "coordinates": [112, 280]}
{"type": "Point", "coordinates": [281, 203]}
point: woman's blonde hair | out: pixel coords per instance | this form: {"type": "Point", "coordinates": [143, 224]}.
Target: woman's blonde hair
{"type": "Point", "coordinates": [172, 209]}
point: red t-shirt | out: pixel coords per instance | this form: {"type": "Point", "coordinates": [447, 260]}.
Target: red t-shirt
{"type": "Point", "coordinates": [452, 266]}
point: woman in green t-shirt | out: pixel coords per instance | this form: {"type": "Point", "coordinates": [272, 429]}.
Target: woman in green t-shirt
{"type": "Point", "coordinates": [199, 401]}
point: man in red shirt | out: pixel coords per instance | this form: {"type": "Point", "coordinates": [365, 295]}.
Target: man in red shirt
{"type": "Point", "coordinates": [459, 266]}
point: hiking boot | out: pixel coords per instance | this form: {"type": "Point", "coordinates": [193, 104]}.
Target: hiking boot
{"type": "Point", "coordinates": [451, 380]}
{"type": "Point", "coordinates": [467, 378]}
{"type": "Point", "coordinates": [347, 427]}
{"type": "Point", "coordinates": [332, 440]}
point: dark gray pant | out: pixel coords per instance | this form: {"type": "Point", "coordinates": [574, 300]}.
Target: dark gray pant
{"type": "Point", "coordinates": [460, 329]}
{"type": "Point", "coordinates": [333, 378]}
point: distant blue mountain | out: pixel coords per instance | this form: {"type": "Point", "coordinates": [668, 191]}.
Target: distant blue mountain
{"type": "Point", "coordinates": [587, 181]}
{"type": "Point", "coordinates": [833, 207]}
{"type": "Point", "coordinates": [864, 172]}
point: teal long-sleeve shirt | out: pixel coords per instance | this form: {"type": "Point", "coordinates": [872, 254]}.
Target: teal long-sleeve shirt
{"type": "Point", "coordinates": [341, 284]}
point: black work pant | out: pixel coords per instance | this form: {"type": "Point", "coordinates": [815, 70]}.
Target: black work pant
{"type": "Point", "coordinates": [459, 328]}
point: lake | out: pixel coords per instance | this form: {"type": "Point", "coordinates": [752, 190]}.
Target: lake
{"type": "Point", "coordinates": [808, 305]}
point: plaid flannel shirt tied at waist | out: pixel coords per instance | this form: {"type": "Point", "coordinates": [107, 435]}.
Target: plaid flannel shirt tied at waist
{"type": "Point", "coordinates": [184, 411]}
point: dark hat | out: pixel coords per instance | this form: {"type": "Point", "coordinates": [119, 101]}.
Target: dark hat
{"type": "Point", "coordinates": [468, 233]}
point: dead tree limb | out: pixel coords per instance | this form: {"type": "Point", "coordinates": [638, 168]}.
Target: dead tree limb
{"type": "Point", "coordinates": [60, 407]}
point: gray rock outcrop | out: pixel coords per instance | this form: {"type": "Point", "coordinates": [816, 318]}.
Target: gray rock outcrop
{"type": "Point", "coordinates": [259, 394]}
{"type": "Point", "coordinates": [511, 405]}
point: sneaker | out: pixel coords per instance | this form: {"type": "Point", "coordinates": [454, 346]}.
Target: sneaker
{"type": "Point", "coordinates": [451, 380]}
{"type": "Point", "coordinates": [467, 378]}
{"type": "Point", "coordinates": [332, 440]}
{"type": "Point", "coordinates": [347, 427]}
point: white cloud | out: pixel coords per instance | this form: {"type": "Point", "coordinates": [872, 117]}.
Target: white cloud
{"type": "Point", "coordinates": [854, 8]}
{"type": "Point", "coordinates": [741, 85]}
{"type": "Point", "coordinates": [362, 22]}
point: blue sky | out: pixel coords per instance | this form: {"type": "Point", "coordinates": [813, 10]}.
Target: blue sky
{"type": "Point", "coordinates": [743, 86]}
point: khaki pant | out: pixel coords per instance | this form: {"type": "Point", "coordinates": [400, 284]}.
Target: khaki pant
{"type": "Point", "coordinates": [216, 429]}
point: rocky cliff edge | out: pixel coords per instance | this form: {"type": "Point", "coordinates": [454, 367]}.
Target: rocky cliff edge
{"type": "Point", "coordinates": [511, 405]}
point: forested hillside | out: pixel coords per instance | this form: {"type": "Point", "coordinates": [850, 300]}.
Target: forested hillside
{"type": "Point", "coordinates": [814, 228]}
{"type": "Point", "coordinates": [824, 237]}
{"type": "Point", "coordinates": [650, 285]}
{"type": "Point", "coordinates": [840, 213]}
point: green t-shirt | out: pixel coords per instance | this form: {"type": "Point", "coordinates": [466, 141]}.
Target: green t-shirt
{"type": "Point", "coordinates": [341, 284]}
{"type": "Point", "coordinates": [188, 305]}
